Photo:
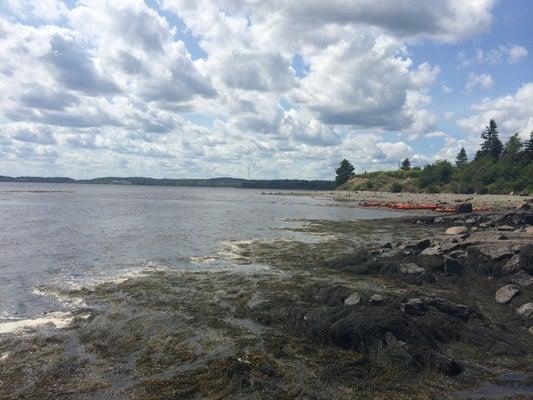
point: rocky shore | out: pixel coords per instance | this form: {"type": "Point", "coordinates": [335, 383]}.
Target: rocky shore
{"type": "Point", "coordinates": [426, 307]}
{"type": "Point", "coordinates": [496, 202]}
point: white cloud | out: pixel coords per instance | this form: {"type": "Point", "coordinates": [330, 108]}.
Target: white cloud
{"type": "Point", "coordinates": [481, 81]}
{"type": "Point", "coordinates": [115, 87]}
{"type": "Point", "coordinates": [513, 113]}
{"type": "Point", "coordinates": [510, 53]}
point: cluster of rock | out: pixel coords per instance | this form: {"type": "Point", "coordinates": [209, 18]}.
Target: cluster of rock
{"type": "Point", "coordinates": [497, 246]}
{"type": "Point", "coordinates": [476, 271]}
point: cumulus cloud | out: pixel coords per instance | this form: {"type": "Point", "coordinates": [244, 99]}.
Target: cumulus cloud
{"type": "Point", "coordinates": [481, 81]}
{"type": "Point", "coordinates": [513, 113]}
{"type": "Point", "coordinates": [175, 87]}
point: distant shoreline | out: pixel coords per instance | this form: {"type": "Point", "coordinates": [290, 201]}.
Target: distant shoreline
{"type": "Point", "coordinates": [239, 183]}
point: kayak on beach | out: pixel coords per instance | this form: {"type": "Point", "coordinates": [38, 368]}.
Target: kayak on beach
{"type": "Point", "coordinates": [417, 206]}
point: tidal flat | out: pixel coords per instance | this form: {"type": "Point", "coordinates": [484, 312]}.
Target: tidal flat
{"type": "Point", "coordinates": [341, 315]}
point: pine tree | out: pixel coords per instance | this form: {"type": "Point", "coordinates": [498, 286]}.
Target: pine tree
{"type": "Point", "coordinates": [491, 146]}
{"type": "Point", "coordinates": [462, 160]}
{"type": "Point", "coordinates": [513, 146]}
{"type": "Point", "coordinates": [528, 145]}
{"type": "Point", "coordinates": [406, 164]}
{"type": "Point", "coordinates": [344, 172]}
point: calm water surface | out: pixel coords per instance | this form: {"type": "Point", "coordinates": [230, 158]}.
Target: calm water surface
{"type": "Point", "coordinates": [54, 234]}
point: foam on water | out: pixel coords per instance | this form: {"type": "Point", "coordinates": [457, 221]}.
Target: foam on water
{"type": "Point", "coordinates": [56, 319]}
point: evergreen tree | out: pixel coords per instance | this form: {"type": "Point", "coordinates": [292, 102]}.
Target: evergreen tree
{"type": "Point", "coordinates": [528, 145]}
{"type": "Point", "coordinates": [406, 165]}
{"type": "Point", "coordinates": [344, 172]}
{"type": "Point", "coordinates": [491, 146]}
{"type": "Point", "coordinates": [462, 160]}
{"type": "Point", "coordinates": [513, 146]}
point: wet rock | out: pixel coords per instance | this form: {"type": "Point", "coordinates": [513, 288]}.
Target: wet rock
{"type": "Point", "coordinates": [526, 256]}
{"type": "Point", "coordinates": [330, 295]}
{"type": "Point", "coordinates": [471, 221]}
{"type": "Point", "coordinates": [514, 264]}
{"type": "Point", "coordinates": [411, 268]}
{"type": "Point", "coordinates": [412, 306]}
{"type": "Point", "coordinates": [505, 228]}
{"type": "Point", "coordinates": [353, 299]}
{"type": "Point", "coordinates": [486, 224]}
{"type": "Point", "coordinates": [431, 258]}
{"type": "Point", "coordinates": [423, 244]}
{"type": "Point", "coordinates": [463, 208]}
{"type": "Point", "coordinates": [452, 266]}
{"type": "Point", "coordinates": [376, 300]}
{"type": "Point", "coordinates": [525, 310]}
{"type": "Point", "coordinates": [495, 250]}
{"type": "Point", "coordinates": [446, 365]}
{"type": "Point", "coordinates": [449, 307]}
{"type": "Point", "coordinates": [522, 278]}
{"type": "Point", "coordinates": [431, 251]}
{"type": "Point", "coordinates": [456, 230]}
{"type": "Point", "coordinates": [506, 293]}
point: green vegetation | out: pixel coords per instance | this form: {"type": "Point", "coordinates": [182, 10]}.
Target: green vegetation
{"type": "Point", "coordinates": [295, 184]}
{"type": "Point", "coordinates": [344, 172]}
{"type": "Point", "coordinates": [406, 164]}
{"type": "Point", "coordinates": [496, 168]}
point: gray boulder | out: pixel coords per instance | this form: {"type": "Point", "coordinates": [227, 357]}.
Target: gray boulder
{"type": "Point", "coordinates": [506, 293]}
{"type": "Point", "coordinates": [521, 278]}
{"type": "Point", "coordinates": [525, 310]}
{"type": "Point", "coordinates": [376, 300]}
{"type": "Point", "coordinates": [449, 307]}
{"type": "Point", "coordinates": [353, 299]}
{"type": "Point", "coordinates": [411, 268]}
{"type": "Point", "coordinates": [456, 230]}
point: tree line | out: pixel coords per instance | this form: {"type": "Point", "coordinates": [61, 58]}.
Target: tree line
{"type": "Point", "coordinates": [495, 168]}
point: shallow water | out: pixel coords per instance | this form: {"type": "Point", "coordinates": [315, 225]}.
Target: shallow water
{"type": "Point", "coordinates": [71, 235]}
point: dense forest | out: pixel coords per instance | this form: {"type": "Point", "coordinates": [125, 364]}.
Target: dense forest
{"type": "Point", "coordinates": [495, 168]}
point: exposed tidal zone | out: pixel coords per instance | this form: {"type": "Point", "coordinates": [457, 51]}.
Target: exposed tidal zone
{"type": "Point", "coordinates": [329, 320]}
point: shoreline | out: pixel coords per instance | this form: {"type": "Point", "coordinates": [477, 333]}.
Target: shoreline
{"type": "Point", "coordinates": [390, 318]}
{"type": "Point", "coordinates": [496, 202]}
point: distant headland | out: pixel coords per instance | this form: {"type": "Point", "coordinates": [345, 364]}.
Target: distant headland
{"type": "Point", "coordinates": [210, 182]}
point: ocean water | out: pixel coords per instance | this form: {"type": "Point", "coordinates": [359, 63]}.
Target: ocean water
{"type": "Point", "coordinates": [71, 235]}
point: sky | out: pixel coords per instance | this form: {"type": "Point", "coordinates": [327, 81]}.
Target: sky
{"type": "Point", "coordinates": [253, 88]}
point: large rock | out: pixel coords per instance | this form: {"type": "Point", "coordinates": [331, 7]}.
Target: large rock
{"type": "Point", "coordinates": [521, 278]}
{"type": "Point", "coordinates": [353, 299]}
{"type": "Point", "coordinates": [376, 300]}
{"type": "Point", "coordinates": [411, 268]}
{"type": "Point", "coordinates": [412, 306]}
{"type": "Point", "coordinates": [449, 307]}
{"type": "Point", "coordinates": [496, 250]}
{"type": "Point", "coordinates": [463, 208]}
{"type": "Point", "coordinates": [525, 310]}
{"type": "Point", "coordinates": [431, 259]}
{"type": "Point", "coordinates": [506, 293]}
{"type": "Point", "coordinates": [452, 266]}
{"type": "Point", "coordinates": [456, 230]}
{"type": "Point", "coordinates": [513, 265]}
